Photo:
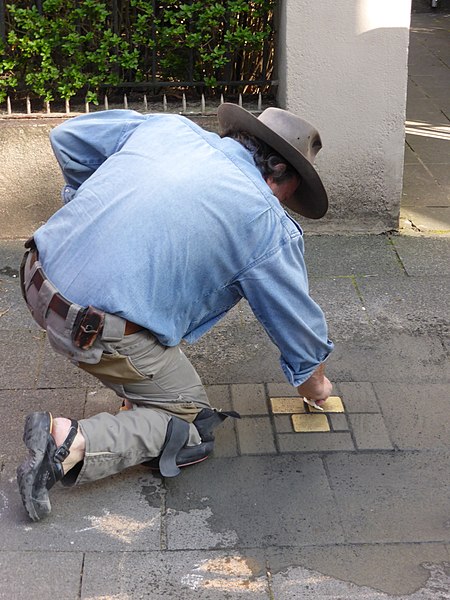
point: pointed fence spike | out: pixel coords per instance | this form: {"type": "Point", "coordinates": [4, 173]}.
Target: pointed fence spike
{"type": "Point", "coordinates": [259, 101]}
{"type": "Point", "coordinates": [145, 103]}
{"type": "Point", "coordinates": [164, 103]}
{"type": "Point", "coordinates": [203, 104]}
{"type": "Point", "coordinates": [125, 101]}
{"type": "Point", "coordinates": [240, 100]}
{"type": "Point", "coordinates": [106, 102]}
{"type": "Point", "coordinates": [8, 105]}
{"type": "Point", "coordinates": [28, 105]}
{"type": "Point", "coordinates": [67, 106]}
{"type": "Point", "coordinates": [184, 102]}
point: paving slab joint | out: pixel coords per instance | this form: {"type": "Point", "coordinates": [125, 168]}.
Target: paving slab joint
{"type": "Point", "coordinates": [271, 418]}
{"type": "Point", "coordinates": [269, 581]}
{"type": "Point", "coordinates": [360, 297]}
{"type": "Point", "coordinates": [397, 255]}
{"type": "Point", "coordinates": [80, 589]}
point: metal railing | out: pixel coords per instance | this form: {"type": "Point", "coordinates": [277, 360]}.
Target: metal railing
{"type": "Point", "coordinates": [246, 73]}
{"type": "Point", "coordinates": [29, 109]}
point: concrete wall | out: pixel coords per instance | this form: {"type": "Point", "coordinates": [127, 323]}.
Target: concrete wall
{"type": "Point", "coordinates": [342, 65]}
{"type": "Point", "coordinates": [30, 179]}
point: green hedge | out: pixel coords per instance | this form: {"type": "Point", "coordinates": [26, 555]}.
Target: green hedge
{"type": "Point", "coordinates": [64, 48]}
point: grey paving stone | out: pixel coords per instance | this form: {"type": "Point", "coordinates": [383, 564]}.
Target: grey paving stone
{"type": "Point", "coordinates": [416, 415]}
{"type": "Point", "coordinates": [219, 396]}
{"type": "Point", "coordinates": [281, 390]}
{"type": "Point", "coordinates": [415, 91]}
{"type": "Point", "coordinates": [28, 575]}
{"type": "Point", "coordinates": [442, 175]}
{"type": "Point", "coordinates": [230, 354]}
{"type": "Point", "coordinates": [11, 253]}
{"type": "Point", "coordinates": [391, 497]}
{"type": "Point", "coordinates": [359, 396]}
{"type": "Point", "coordinates": [428, 220]}
{"type": "Point", "coordinates": [421, 188]}
{"type": "Point", "coordinates": [67, 403]}
{"type": "Point", "coordinates": [395, 357]}
{"type": "Point", "coordinates": [410, 156]}
{"type": "Point", "coordinates": [251, 502]}
{"type": "Point", "coordinates": [14, 313]}
{"type": "Point", "coordinates": [119, 513]}
{"type": "Point", "coordinates": [338, 422]}
{"type": "Point", "coordinates": [58, 371]}
{"type": "Point", "coordinates": [430, 149]}
{"type": "Point", "coordinates": [344, 311]}
{"type": "Point", "coordinates": [207, 575]}
{"type": "Point", "coordinates": [422, 109]}
{"type": "Point", "coordinates": [364, 572]}
{"type": "Point", "coordinates": [101, 400]}
{"type": "Point", "coordinates": [21, 354]}
{"type": "Point", "coordinates": [416, 305]}
{"type": "Point", "coordinates": [356, 255]}
{"type": "Point", "coordinates": [315, 442]}
{"type": "Point", "coordinates": [255, 436]}
{"type": "Point", "coordinates": [283, 424]}
{"type": "Point", "coordinates": [226, 440]}
{"type": "Point", "coordinates": [249, 398]}
{"type": "Point", "coordinates": [370, 432]}
{"type": "Point", "coordinates": [239, 315]}
{"type": "Point", "coordinates": [423, 256]}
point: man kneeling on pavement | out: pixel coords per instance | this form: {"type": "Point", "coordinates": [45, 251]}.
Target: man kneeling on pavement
{"type": "Point", "coordinates": [164, 228]}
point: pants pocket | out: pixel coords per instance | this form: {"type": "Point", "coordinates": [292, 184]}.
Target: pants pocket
{"type": "Point", "coordinates": [115, 368]}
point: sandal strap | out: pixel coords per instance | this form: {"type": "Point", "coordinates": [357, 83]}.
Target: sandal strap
{"type": "Point", "coordinates": [63, 451]}
{"type": "Point", "coordinates": [177, 436]}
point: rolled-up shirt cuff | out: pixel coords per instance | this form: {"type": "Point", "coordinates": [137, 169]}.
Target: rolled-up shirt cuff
{"type": "Point", "coordinates": [297, 377]}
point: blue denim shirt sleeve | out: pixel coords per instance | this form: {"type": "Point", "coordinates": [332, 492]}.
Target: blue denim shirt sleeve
{"type": "Point", "coordinates": [277, 291]}
{"type": "Point", "coordinates": [83, 143]}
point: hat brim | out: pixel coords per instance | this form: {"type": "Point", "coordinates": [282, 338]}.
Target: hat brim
{"type": "Point", "coordinates": [310, 199]}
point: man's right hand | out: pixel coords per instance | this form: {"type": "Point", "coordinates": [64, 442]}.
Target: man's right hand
{"type": "Point", "coordinates": [317, 387]}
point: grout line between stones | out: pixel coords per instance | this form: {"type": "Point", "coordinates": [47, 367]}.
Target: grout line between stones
{"type": "Point", "coordinates": [41, 358]}
{"type": "Point", "coordinates": [399, 259]}
{"type": "Point", "coordinates": [163, 541]}
{"type": "Point", "coordinates": [394, 446]}
{"type": "Point", "coordinates": [80, 588]}
{"type": "Point", "coordinates": [333, 493]}
{"type": "Point", "coordinates": [269, 580]}
{"type": "Point", "coordinates": [361, 298]}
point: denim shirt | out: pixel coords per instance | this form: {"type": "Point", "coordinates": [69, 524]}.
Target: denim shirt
{"type": "Point", "coordinates": [169, 226]}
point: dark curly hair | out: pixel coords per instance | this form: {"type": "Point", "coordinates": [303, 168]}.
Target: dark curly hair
{"type": "Point", "coordinates": [269, 163]}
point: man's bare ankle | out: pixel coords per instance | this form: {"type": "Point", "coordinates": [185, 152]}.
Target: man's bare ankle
{"type": "Point", "coordinates": [60, 429]}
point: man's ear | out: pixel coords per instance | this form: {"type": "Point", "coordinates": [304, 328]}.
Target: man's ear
{"type": "Point", "coordinates": [279, 169]}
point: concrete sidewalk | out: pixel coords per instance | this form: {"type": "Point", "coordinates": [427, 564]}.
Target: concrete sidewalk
{"type": "Point", "coordinates": [294, 504]}
{"type": "Point", "coordinates": [426, 189]}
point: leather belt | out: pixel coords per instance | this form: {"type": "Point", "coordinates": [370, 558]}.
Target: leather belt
{"type": "Point", "coordinates": [61, 306]}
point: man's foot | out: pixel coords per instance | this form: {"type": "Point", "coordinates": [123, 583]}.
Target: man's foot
{"type": "Point", "coordinates": [43, 468]}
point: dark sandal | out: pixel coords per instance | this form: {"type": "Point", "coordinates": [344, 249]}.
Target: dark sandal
{"type": "Point", "coordinates": [43, 468]}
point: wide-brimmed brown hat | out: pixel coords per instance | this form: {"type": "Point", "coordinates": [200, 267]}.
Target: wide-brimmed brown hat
{"type": "Point", "coordinates": [295, 140]}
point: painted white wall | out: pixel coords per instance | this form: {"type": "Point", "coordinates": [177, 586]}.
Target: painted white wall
{"type": "Point", "coordinates": [342, 65]}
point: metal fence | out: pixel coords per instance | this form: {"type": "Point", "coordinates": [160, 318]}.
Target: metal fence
{"type": "Point", "coordinates": [246, 74]}
{"type": "Point", "coordinates": [29, 109]}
